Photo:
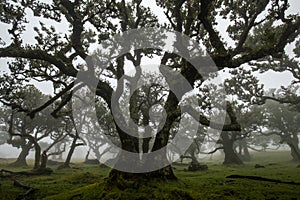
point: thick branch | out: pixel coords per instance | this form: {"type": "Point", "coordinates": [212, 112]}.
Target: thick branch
{"type": "Point", "coordinates": [52, 100]}
{"type": "Point", "coordinates": [289, 34]}
{"type": "Point", "coordinates": [77, 23]}
{"type": "Point", "coordinates": [18, 52]}
{"type": "Point", "coordinates": [215, 150]}
{"type": "Point", "coordinates": [213, 35]}
{"type": "Point", "coordinates": [206, 122]}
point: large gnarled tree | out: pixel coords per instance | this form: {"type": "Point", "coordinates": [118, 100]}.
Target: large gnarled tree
{"type": "Point", "coordinates": [52, 56]}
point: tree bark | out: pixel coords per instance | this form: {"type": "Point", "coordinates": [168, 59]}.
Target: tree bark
{"type": "Point", "coordinates": [131, 144]}
{"type": "Point", "coordinates": [293, 142]}
{"type": "Point", "coordinates": [37, 157]}
{"type": "Point", "coordinates": [243, 152]}
{"type": "Point", "coordinates": [37, 149]}
{"type": "Point", "coordinates": [230, 156]}
{"type": "Point", "coordinates": [146, 144]}
{"type": "Point", "coordinates": [247, 156]}
{"type": "Point", "coordinates": [121, 179]}
{"type": "Point", "coordinates": [21, 160]}
{"type": "Point", "coordinates": [70, 153]}
{"type": "Point", "coordinates": [125, 180]}
{"type": "Point", "coordinates": [295, 152]}
{"type": "Point", "coordinates": [44, 159]}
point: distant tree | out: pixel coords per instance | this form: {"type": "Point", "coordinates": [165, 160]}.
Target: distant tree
{"type": "Point", "coordinates": [284, 63]}
{"type": "Point", "coordinates": [246, 88]}
{"type": "Point", "coordinates": [27, 133]}
{"type": "Point", "coordinates": [72, 132]}
{"type": "Point", "coordinates": [284, 122]}
{"type": "Point", "coordinates": [251, 119]}
{"type": "Point", "coordinates": [260, 141]}
{"type": "Point", "coordinates": [93, 138]}
{"type": "Point", "coordinates": [60, 148]}
{"type": "Point", "coordinates": [227, 137]}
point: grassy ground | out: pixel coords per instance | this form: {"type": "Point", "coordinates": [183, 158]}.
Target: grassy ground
{"type": "Point", "coordinates": [87, 182]}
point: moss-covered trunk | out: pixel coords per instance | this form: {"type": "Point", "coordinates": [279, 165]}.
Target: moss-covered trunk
{"type": "Point", "coordinates": [125, 179]}
{"type": "Point", "coordinates": [131, 144]}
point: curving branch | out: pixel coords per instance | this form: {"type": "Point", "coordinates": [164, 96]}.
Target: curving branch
{"type": "Point", "coordinates": [288, 35]}
{"type": "Point", "coordinates": [234, 126]}
{"type": "Point", "coordinates": [215, 40]}
{"type": "Point", "coordinates": [77, 22]}
{"type": "Point", "coordinates": [13, 51]}
{"type": "Point", "coordinates": [52, 100]}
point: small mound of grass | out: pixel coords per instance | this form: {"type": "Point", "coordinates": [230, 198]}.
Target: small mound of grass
{"type": "Point", "coordinates": [81, 178]}
{"type": "Point", "coordinates": [151, 190]}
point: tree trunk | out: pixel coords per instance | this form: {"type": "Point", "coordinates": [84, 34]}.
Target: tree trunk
{"type": "Point", "coordinates": [243, 152]}
{"type": "Point", "coordinates": [247, 156]}
{"type": "Point", "coordinates": [129, 143]}
{"type": "Point", "coordinates": [97, 154]}
{"type": "Point", "coordinates": [146, 144]}
{"type": "Point", "coordinates": [37, 156]}
{"type": "Point", "coordinates": [70, 153]}
{"type": "Point", "coordinates": [293, 142]}
{"type": "Point", "coordinates": [21, 160]}
{"type": "Point", "coordinates": [44, 159]}
{"type": "Point", "coordinates": [125, 180]}
{"type": "Point", "coordinates": [295, 152]}
{"type": "Point", "coordinates": [230, 156]}
{"type": "Point", "coordinates": [87, 155]}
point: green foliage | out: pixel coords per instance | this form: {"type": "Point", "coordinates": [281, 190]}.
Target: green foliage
{"type": "Point", "coordinates": [244, 86]}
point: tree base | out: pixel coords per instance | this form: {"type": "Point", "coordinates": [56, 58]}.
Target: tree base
{"type": "Point", "coordinates": [18, 164]}
{"type": "Point", "coordinates": [63, 166]}
{"type": "Point", "coordinates": [232, 159]}
{"type": "Point", "coordinates": [124, 180]}
{"type": "Point", "coordinates": [245, 158]}
{"type": "Point", "coordinates": [197, 167]}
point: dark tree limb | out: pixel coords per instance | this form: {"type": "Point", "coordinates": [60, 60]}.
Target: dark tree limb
{"type": "Point", "coordinates": [259, 178]}
{"type": "Point", "coordinates": [214, 38]}
{"type": "Point", "coordinates": [77, 22]}
{"type": "Point", "coordinates": [281, 100]}
{"type": "Point", "coordinates": [8, 173]}
{"type": "Point", "coordinates": [60, 94]}
{"type": "Point", "coordinates": [38, 54]}
{"type": "Point", "coordinates": [215, 150]}
{"type": "Point", "coordinates": [234, 126]}
{"type": "Point", "coordinates": [19, 184]}
{"type": "Point", "coordinates": [29, 190]}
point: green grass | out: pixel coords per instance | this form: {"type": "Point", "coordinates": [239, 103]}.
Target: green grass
{"type": "Point", "coordinates": [88, 182]}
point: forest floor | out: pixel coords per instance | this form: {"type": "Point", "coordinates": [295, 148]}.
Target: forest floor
{"type": "Point", "coordinates": [88, 182]}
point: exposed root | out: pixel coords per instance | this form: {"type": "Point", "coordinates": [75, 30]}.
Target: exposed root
{"type": "Point", "coordinates": [259, 178]}
{"type": "Point", "coordinates": [6, 173]}
{"type": "Point", "coordinates": [29, 190]}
